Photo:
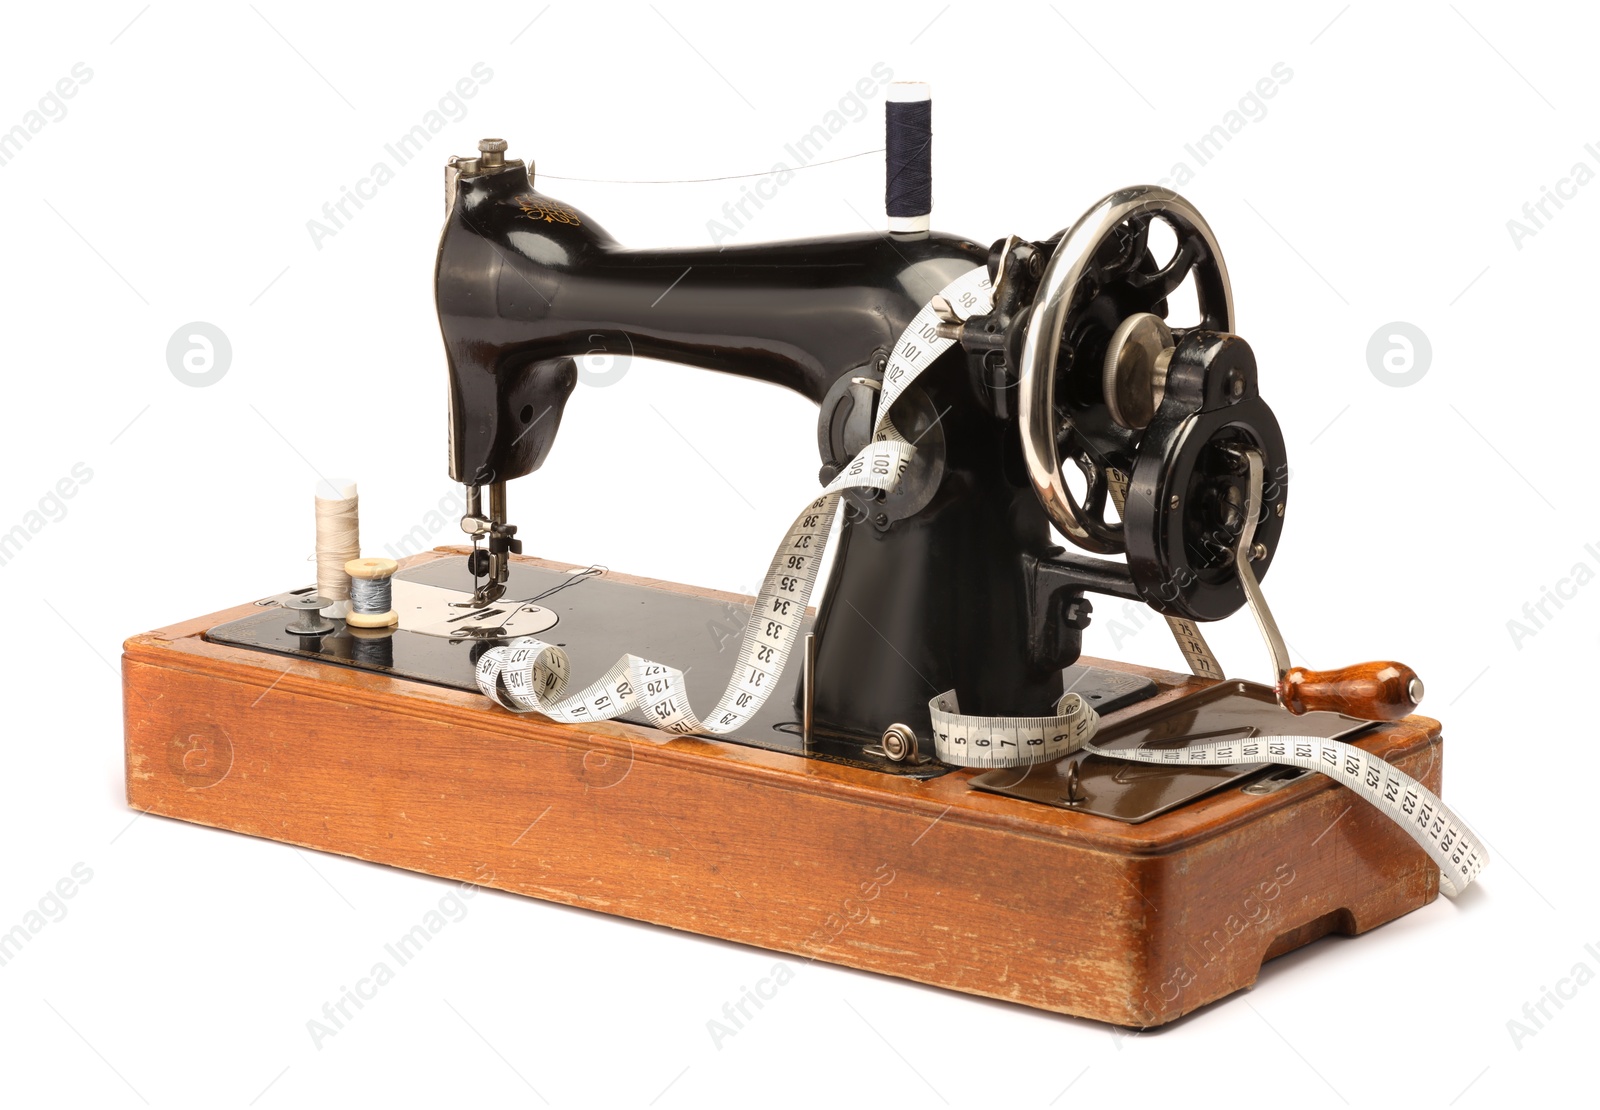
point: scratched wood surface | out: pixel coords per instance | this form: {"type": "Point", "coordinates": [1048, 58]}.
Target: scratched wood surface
{"type": "Point", "coordinates": [931, 881]}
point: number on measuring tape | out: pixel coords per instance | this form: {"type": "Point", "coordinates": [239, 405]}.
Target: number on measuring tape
{"type": "Point", "coordinates": [1009, 741]}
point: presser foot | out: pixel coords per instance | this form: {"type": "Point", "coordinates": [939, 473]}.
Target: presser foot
{"type": "Point", "coordinates": [490, 566]}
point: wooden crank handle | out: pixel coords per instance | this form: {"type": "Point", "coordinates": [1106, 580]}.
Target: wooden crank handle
{"type": "Point", "coordinates": [1371, 691]}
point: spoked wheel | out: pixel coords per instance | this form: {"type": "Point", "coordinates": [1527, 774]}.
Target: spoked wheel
{"type": "Point", "coordinates": [1103, 291]}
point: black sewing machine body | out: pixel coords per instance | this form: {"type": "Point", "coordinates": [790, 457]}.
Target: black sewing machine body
{"type": "Point", "coordinates": [525, 282]}
{"type": "Point", "coordinates": [950, 582]}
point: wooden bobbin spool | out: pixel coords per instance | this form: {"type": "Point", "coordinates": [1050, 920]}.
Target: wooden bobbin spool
{"type": "Point", "coordinates": [372, 570]}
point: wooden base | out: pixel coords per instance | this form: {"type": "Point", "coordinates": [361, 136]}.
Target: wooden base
{"type": "Point", "coordinates": [931, 881]}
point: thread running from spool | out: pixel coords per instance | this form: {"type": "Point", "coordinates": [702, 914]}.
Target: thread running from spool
{"type": "Point", "coordinates": [370, 593]}
{"type": "Point", "coordinates": [338, 541]}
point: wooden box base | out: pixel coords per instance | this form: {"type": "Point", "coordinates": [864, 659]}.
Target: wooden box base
{"type": "Point", "coordinates": [932, 881]}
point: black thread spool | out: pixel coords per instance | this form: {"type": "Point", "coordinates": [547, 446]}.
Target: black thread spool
{"type": "Point", "coordinates": [908, 156]}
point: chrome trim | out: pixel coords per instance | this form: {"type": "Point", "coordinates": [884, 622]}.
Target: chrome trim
{"type": "Point", "coordinates": [1242, 556]}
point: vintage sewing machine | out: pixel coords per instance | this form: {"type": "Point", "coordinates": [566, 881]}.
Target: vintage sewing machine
{"type": "Point", "coordinates": [828, 824]}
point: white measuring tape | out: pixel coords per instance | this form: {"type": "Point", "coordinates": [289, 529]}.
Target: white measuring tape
{"type": "Point", "coordinates": [1009, 741]}
{"type": "Point", "coordinates": [1399, 797]}
{"type": "Point", "coordinates": [529, 675]}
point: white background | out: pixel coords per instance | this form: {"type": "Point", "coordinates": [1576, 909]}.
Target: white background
{"type": "Point", "coordinates": [177, 187]}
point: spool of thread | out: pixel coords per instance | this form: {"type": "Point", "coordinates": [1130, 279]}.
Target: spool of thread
{"type": "Point", "coordinates": [338, 541]}
{"type": "Point", "coordinates": [370, 592]}
{"type": "Point", "coordinates": [908, 155]}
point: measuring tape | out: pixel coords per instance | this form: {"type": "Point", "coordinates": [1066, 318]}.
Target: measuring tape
{"type": "Point", "coordinates": [530, 675]}
{"type": "Point", "coordinates": [1399, 797]}
{"type": "Point", "coordinates": [1009, 741]}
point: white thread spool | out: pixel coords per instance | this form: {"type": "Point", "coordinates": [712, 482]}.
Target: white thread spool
{"type": "Point", "coordinates": [370, 581]}
{"type": "Point", "coordinates": [338, 541]}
